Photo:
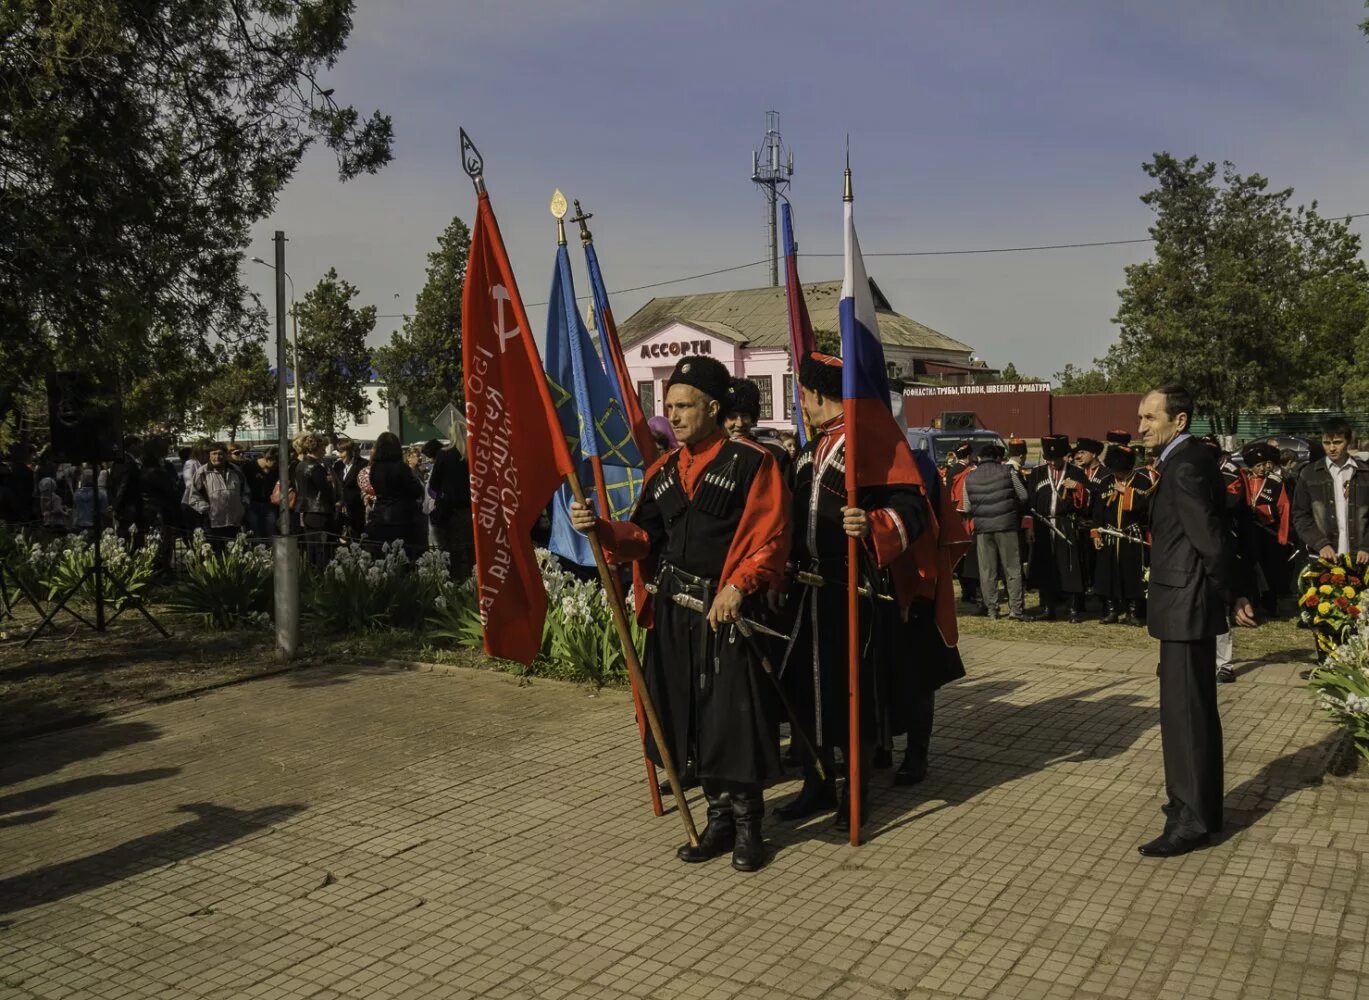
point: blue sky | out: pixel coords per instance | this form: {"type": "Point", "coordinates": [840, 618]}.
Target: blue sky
{"type": "Point", "coordinates": [972, 124]}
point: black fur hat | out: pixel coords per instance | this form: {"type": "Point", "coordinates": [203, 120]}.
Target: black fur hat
{"type": "Point", "coordinates": [1118, 437]}
{"type": "Point", "coordinates": [1089, 444]}
{"type": "Point", "coordinates": [821, 373]}
{"type": "Point", "coordinates": [1120, 458]}
{"type": "Point", "coordinates": [1055, 446]}
{"type": "Point", "coordinates": [708, 375]}
{"type": "Point", "coordinates": [744, 397]}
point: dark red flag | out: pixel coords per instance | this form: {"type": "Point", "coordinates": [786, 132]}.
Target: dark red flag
{"type": "Point", "coordinates": [518, 455]}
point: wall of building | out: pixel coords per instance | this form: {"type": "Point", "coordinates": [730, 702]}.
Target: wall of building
{"type": "Point", "coordinates": [1025, 410]}
{"type": "Point", "coordinates": [650, 362]}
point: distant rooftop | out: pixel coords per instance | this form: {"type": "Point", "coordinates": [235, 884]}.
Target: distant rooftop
{"type": "Point", "coordinates": [759, 317]}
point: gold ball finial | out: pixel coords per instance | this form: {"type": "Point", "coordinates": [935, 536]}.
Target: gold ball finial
{"type": "Point", "coordinates": [558, 208]}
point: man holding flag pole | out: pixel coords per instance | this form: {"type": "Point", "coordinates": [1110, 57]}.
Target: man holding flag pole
{"type": "Point", "coordinates": [518, 456]}
{"type": "Point", "coordinates": [711, 533]}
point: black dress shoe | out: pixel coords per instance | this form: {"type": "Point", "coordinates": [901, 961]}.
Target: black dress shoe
{"type": "Point", "coordinates": [1048, 615]}
{"type": "Point", "coordinates": [1226, 674]}
{"type": "Point", "coordinates": [816, 797]}
{"type": "Point", "coordinates": [911, 772]}
{"type": "Point", "coordinates": [1170, 846]}
{"type": "Point", "coordinates": [1076, 617]}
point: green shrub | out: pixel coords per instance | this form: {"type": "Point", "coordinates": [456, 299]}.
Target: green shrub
{"type": "Point", "coordinates": [52, 569]}
{"type": "Point", "coordinates": [225, 588]}
{"type": "Point", "coordinates": [357, 591]}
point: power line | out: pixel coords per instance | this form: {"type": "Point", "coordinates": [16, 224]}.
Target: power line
{"type": "Point", "coordinates": [887, 253]}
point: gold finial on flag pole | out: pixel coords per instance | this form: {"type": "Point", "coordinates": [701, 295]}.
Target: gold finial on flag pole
{"type": "Point", "coordinates": [581, 216]}
{"type": "Point", "coordinates": [558, 209]}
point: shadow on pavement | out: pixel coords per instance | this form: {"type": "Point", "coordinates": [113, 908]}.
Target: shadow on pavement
{"type": "Point", "coordinates": [992, 742]}
{"type": "Point", "coordinates": [1253, 799]}
{"type": "Point", "coordinates": [214, 826]}
{"type": "Point", "coordinates": [48, 794]}
{"type": "Point", "coordinates": [40, 755]}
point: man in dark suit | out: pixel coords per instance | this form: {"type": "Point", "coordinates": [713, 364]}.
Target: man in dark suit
{"type": "Point", "coordinates": [1189, 602]}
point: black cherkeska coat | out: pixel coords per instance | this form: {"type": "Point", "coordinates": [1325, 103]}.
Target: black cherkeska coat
{"type": "Point", "coordinates": [1119, 566]}
{"type": "Point", "coordinates": [816, 669]}
{"type": "Point", "coordinates": [1057, 565]}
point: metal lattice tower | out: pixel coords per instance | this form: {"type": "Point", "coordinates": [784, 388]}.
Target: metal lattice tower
{"type": "Point", "coordinates": [771, 167]}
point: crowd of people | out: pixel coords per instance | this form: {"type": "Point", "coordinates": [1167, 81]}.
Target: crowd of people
{"type": "Point", "coordinates": [1077, 526]}
{"type": "Point", "coordinates": [418, 496]}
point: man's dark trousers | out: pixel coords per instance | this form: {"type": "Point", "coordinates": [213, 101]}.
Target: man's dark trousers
{"type": "Point", "coordinates": [1191, 737]}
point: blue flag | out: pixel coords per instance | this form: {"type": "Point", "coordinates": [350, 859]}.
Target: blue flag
{"type": "Point", "coordinates": [592, 418]}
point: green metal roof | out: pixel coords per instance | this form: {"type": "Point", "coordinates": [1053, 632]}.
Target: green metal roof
{"type": "Point", "coordinates": [759, 317]}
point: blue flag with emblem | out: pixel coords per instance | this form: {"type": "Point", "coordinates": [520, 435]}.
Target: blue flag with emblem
{"type": "Point", "coordinates": [592, 416]}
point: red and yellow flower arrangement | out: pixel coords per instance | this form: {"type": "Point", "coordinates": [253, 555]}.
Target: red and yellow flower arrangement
{"type": "Point", "coordinates": [1330, 599]}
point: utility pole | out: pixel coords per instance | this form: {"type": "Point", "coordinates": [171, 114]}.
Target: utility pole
{"type": "Point", "coordinates": [285, 551]}
{"type": "Point", "coordinates": [294, 343]}
{"type": "Point", "coordinates": [771, 167]}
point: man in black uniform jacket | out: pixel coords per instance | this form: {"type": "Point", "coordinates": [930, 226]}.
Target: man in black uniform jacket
{"type": "Point", "coordinates": [815, 669]}
{"type": "Point", "coordinates": [1189, 596]}
{"type": "Point", "coordinates": [711, 524]}
{"type": "Point", "coordinates": [1059, 499]}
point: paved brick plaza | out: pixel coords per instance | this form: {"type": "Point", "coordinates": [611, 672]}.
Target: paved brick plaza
{"type": "Point", "coordinates": [382, 833]}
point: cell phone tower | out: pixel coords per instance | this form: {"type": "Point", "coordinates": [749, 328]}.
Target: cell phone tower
{"type": "Point", "coordinates": [771, 167]}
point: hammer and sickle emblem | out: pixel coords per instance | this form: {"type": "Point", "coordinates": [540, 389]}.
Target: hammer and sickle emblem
{"type": "Point", "coordinates": [501, 296]}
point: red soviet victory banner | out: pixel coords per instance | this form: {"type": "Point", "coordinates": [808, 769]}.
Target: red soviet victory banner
{"type": "Point", "coordinates": [515, 447]}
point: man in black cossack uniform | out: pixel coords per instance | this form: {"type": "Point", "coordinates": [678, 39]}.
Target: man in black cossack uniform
{"type": "Point", "coordinates": [815, 671]}
{"type": "Point", "coordinates": [1059, 499]}
{"type": "Point", "coordinates": [711, 524]}
{"type": "Point", "coordinates": [1119, 566]}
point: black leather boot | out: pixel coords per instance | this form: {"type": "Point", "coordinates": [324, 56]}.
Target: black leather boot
{"type": "Point", "coordinates": [817, 796]}
{"type": "Point", "coordinates": [689, 778]}
{"type": "Point", "coordinates": [1109, 613]}
{"type": "Point", "coordinates": [718, 836]}
{"type": "Point", "coordinates": [748, 810]}
{"type": "Point", "coordinates": [843, 821]}
{"type": "Point", "coordinates": [1134, 615]}
{"type": "Point", "coordinates": [1076, 608]}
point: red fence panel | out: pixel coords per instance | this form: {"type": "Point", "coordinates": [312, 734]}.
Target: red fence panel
{"type": "Point", "coordinates": [1094, 415]}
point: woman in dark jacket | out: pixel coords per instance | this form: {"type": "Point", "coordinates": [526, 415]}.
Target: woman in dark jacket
{"type": "Point", "coordinates": [395, 513]}
{"type": "Point", "coordinates": [314, 497]}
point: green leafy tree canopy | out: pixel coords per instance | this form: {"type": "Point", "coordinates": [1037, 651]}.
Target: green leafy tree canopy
{"type": "Point", "coordinates": [138, 144]}
{"type": "Point", "coordinates": [334, 361]}
{"type": "Point", "coordinates": [242, 382]}
{"type": "Point", "coordinates": [1240, 295]}
{"type": "Point", "coordinates": [421, 366]}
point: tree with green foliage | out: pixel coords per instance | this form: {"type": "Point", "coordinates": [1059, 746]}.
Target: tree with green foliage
{"type": "Point", "coordinates": [334, 361]}
{"type": "Point", "coordinates": [1236, 299]}
{"type": "Point", "coordinates": [421, 366]}
{"type": "Point", "coordinates": [241, 383]}
{"type": "Point", "coordinates": [1076, 381]}
{"type": "Point", "coordinates": [139, 142]}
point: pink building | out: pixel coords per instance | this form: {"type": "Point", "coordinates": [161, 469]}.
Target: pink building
{"type": "Point", "coordinates": [748, 331]}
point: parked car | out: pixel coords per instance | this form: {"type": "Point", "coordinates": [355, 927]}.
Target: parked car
{"type": "Point", "coordinates": [939, 443]}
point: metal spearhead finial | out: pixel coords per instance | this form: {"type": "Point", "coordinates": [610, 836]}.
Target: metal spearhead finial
{"type": "Point", "coordinates": [558, 209]}
{"type": "Point", "coordinates": [581, 216]}
{"type": "Point", "coordinates": [846, 194]}
{"type": "Point", "coordinates": [472, 162]}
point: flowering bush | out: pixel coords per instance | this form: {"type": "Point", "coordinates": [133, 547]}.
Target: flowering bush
{"type": "Point", "coordinates": [51, 569]}
{"type": "Point", "coordinates": [1331, 591]}
{"type": "Point", "coordinates": [227, 587]}
{"type": "Point", "coordinates": [1341, 685]}
{"type": "Point", "coordinates": [359, 590]}
{"type": "Point", "coordinates": [579, 639]}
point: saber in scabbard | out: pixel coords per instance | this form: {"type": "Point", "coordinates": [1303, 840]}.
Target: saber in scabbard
{"type": "Point", "coordinates": [1042, 519]}
{"type": "Point", "coordinates": [748, 629]}
{"type": "Point", "coordinates": [1104, 529]}
{"type": "Point", "coordinates": [808, 579]}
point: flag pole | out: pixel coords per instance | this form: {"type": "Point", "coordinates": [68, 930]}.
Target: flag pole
{"type": "Point", "coordinates": [641, 698]}
{"type": "Point", "coordinates": [558, 209]}
{"type": "Point", "coordinates": [852, 603]}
